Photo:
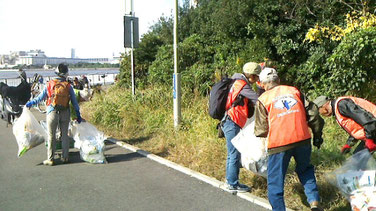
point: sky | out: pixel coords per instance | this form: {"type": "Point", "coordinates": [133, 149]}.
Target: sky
{"type": "Point", "coordinates": [94, 28]}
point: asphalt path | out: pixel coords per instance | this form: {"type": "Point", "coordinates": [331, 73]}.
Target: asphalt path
{"type": "Point", "coordinates": [129, 181]}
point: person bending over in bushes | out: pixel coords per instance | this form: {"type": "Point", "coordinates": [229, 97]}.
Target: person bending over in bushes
{"type": "Point", "coordinates": [356, 116]}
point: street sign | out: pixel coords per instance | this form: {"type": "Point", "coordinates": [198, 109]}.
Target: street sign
{"type": "Point", "coordinates": [130, 25]}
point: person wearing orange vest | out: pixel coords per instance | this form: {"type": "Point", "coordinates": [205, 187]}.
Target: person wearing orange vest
{"type": "Point", "coordinates": [239, 106]}
{"type": "Point", "coordinates": [284, 116]}
{"type": "Point", "coordinates": [57, 116]}
{"type": "Point", "coordinates": [356, 116]}
{"type": "Point", "coordinates": [265, 64]}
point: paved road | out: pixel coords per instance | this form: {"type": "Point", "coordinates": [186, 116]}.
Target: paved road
{"type": "Point", "coordinates": [129, 181]}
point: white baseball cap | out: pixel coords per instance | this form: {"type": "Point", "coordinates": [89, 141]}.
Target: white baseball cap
{"type": "Point", "coordinates": [268, 74]}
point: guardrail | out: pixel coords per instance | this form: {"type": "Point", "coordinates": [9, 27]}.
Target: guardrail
{"type": "Point", "coordinates": [104, 79]}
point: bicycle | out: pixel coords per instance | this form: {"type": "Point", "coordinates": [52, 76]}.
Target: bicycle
{"type": "Point", "coordinates": [36, 88]}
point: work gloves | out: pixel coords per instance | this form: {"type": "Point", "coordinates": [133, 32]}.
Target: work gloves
{"type": "Point", "coordinates": [29, 104]}
{"type": "Point", "coordinates": [345, 149]}
{"type": "Point", "coordinates": [368, 143]}
{"type": "Point", "coordinates": [317, 141]}
{"type": "Point", "coordinates": [79, 119]}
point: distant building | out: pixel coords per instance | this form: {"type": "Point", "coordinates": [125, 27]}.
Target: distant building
{"type": "Point", "coordinates": [39, 58]}
{"type": "Point", "coordinates": [73, 53]}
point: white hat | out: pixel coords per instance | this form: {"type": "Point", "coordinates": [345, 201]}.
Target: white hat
{"type": "Point", "coordinates": [268, 74]}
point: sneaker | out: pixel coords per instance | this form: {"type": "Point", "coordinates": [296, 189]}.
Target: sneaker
{"type": "Point", "coordinates": [65, 160]}
{"type": "Point", "coordinates": [48, 162]}
{"type": "Point", "coordinates": [315, 206]}
{"type": "Point", "coordinates": [240, 188]}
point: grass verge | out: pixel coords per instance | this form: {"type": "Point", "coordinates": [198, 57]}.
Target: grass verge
{"type": "Point", "coordinates": [146, 121]}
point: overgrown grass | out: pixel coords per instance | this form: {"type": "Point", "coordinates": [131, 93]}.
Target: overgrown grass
{"type": "Point", "coordinates": [146, 121]}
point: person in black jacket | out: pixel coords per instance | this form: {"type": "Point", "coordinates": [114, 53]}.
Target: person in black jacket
{"type": "Point", "coordinates": [356, 116]}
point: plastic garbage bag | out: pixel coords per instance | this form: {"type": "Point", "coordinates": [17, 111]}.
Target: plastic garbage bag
{"type": "Point", "coordinates": [355, 179]}
{"type": "Point", "coordinates": [90, 141]}
{"type": "Point", "coordinates": [28, 132]}
{"type": "Point", "coordinates": [253, 150]}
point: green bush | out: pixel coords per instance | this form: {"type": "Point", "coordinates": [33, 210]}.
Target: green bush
{"type": "Point", "coordinates": [352, 65]}
{"type": "Point", "coordinates": [161, 70]}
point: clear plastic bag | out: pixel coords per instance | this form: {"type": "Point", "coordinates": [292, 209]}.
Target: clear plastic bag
{"type": "Point", "coordinates": [90, 141]}
{"type": "Point", "coordinates": [28, 132]}
{"type": "Point", "coordinates": [355, 179]}
{"type": "Point", "coordinates": [253, 150]}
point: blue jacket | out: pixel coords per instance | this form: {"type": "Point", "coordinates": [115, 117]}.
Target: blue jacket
{"type": "Point", "coordinates": [43, 95]}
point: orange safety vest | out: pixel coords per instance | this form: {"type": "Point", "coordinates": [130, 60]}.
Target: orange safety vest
{"type": "Point", "coordinates": [262, 64]}
{"type": "Point", "coordinates": [286, 116]}
{"type": "Point", "coordinates": [351, 127]}
{"type": "Point", "coordinates": [238, 114]}
{"type": "Point", "coordinates": [50, 86]}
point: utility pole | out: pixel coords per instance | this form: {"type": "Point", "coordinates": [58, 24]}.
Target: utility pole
{"type": "Point", "coordinates": [176, 76]}
{"type": "Point", "coordinates": [131, 37]}
{"type": "Point", "coordinates": [132, 46]}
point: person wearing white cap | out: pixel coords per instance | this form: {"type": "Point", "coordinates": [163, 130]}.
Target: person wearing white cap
{"type": "Point", "coordinates": [58, 93]}
{"type": "Point", "coordinates": [284, 116]}
{"type": "Point", "coordinates": [239, 107]}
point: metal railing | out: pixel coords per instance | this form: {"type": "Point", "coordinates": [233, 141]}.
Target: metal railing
{"type": "Point", "coordinates": [105, 79]}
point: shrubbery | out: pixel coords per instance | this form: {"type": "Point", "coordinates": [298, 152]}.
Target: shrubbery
{"type": "Point", "coordinates": [218, 37]}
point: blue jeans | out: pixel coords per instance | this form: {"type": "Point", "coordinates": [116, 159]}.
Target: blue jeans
{"type": "Point", "coordinates": [230, 129]}
{"type": "Point", "coordinates": [277, 167]}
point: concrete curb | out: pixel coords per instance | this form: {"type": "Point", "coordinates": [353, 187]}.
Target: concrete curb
{"type": "Point", "coordinates": [212, 181]}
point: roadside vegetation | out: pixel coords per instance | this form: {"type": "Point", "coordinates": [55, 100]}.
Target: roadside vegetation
{"type": "Point", "coordinates": [322, 47]}
{"type": "Point", "coordinates": [147, 122]}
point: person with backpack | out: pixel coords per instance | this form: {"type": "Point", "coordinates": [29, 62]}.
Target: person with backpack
{"type": "Point", "coordinates": [240, 101]}
{"type": "Point", "coordinates": [58, 93]}
{"type": "Point", "coordinates": [356, 116]}
{"type": "Point", "coordinates": [285, 117]}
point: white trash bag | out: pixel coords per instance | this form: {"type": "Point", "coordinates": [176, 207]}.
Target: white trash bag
{"type": "Point", "coordinates": [28, 132]}
{"type": "Point", "coordinates": [356, 180]}
{"type": "Point", "coordinates": [89, 141]}
{"type": "Point", "coordinates": [253, 150]}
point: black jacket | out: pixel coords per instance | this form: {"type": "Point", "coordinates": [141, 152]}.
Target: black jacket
{"type": "Point", "coordinates": [348, 108]}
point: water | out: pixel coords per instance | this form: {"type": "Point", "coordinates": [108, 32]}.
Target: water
{"type": "Point", "coordinates": [8, 74]}
{"type": "Point", "coordinates": [95, 76]}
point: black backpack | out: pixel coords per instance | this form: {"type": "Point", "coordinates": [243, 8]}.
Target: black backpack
{"type": "Point", "coordinates": [218, 98]}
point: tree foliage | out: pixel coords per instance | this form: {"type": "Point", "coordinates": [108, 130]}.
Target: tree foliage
{"type": "Point", "coordinates": [217, 37]}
